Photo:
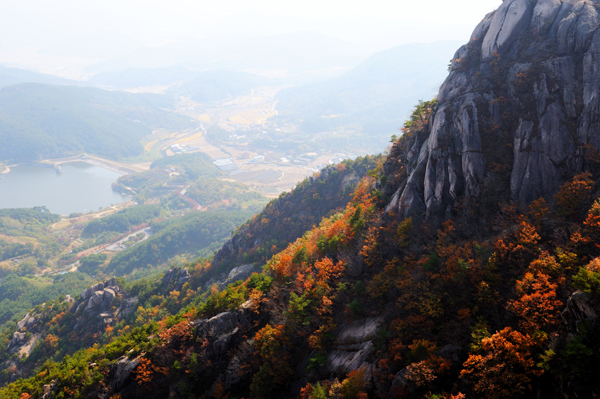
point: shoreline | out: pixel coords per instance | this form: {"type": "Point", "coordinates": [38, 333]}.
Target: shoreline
{"type": "Point", "coordinates": [97, 161]}
{"type": "Point", "coordinates": [118, 167]}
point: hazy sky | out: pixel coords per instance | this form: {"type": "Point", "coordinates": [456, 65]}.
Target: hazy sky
{"type": "Point", "coordinates": [38, 22]}
{"type": "Point", "coordinates": [34, 31]}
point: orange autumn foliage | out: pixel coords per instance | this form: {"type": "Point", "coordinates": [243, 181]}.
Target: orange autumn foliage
{"type": "Point", "coordinates": [270, 343]}
{"type": "Point", "coordinates": [219, 391]}
{"type": "Point", "coordinates": [180, 331]}
{"type": "Point", "coordinates": [145, 371]}
{"type": "Point", "coordinates": [518, 249]}
{"type": "Point", "coordinates": [574, 194]}
{"type": "Point", "coordinates": [354, 385]}
{"type": "Point", "coordinates": [504, 368]}
{"type": "Point", "coordinates": [538, 307]}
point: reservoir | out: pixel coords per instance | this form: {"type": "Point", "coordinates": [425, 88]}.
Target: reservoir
{"type": "Point", "coordinates": [78, 187]}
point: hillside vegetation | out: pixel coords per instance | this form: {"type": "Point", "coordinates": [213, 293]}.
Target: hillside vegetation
{"type": "Point", "coordinates": [182, 237]}
{"type": "Point", "coordinates": [195, 173]}
{"type": "Point", "coordinates": [42, 121]}
{"type": "Point", "coordinates": [444, 310]}
{"type": "Point", "coordinates": [195, 234]}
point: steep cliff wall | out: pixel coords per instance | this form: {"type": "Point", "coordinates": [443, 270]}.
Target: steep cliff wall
{"type": "Point", "coordinates": [518, 114]}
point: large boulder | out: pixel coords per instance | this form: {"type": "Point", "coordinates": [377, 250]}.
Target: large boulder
{"type": "Point", "coordinates": [109, 295]}
{"type": "Point", "coordinates": [358, 331]}
{"type": "Point", "coordinates": [222, 323]}
{"type": "Point", "coordinates": [238, 273]}
{"type": "Point", "coordinates": [97, 298]}
{"type": "Point", "coordinates": [18, 340]}
{"type": "Point", "coordinates": [342, 362]}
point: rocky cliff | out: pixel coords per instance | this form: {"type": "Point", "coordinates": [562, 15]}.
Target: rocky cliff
{"type": "Point", "coordinates": [518, 114]}
{"type": "Point", "coordinates": [69, 322]}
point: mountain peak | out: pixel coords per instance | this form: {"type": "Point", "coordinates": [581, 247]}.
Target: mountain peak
{"type": "Point", "coordinates": [518, 114]}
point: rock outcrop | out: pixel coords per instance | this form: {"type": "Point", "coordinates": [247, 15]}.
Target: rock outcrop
{"type": "Point", "coordinates": [174, 279]}
{"type": "Point", "coordinates": [29, 330]}
{"type": "Point", "coordinates": [239, 273]}
{"type": "Point", "coordinates": [518, 112]}
{"type": "Point", "coordinates": [121, 370]}
{"type": "Point", "coordinates": [353, 344]}
{"type": "Point", "coordinates": [578, 308]}
{"type": "Point", "coordinates": [98, 303]}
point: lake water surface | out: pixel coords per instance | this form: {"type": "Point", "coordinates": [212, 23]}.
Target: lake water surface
{"type": "Point", "coordinates": [79, 187]}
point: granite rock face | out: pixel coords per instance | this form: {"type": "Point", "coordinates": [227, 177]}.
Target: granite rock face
{"type": "Point", "coordinates": [353, 345]}
{"type": "Point", "coordinates": [528, 79]}
{"type": "Point", "coordinates": [578, 308]}
{"type": "Point", "coordinates": [174, 279]}
{"type": "Point", "coordinates": [101, 305]}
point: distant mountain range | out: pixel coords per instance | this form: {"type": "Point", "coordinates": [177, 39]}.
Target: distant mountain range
{"type": "Point", "coordinates": [294, 52]}
{"type": "Point", "coordinates": [372, 99]}
{"type": "Point", "coordinates": [378, 94]}
{"type": "Point", "coordinates": [218, 85]}
{"type": "Point", "coordinates": [12, 76]}
{"type": "Point", "coordinates": [202, 87]}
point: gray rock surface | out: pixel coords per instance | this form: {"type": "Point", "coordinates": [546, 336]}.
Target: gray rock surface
{"type": "Point", "coordinates": [238, 273]}
{"type": "Point", "coordinates": [121, 370]}
{"type": "Point", "coordinates": [109, 295]}
{"type": "Point", "coordinates": [17, 340]}
{"type": "Point", "coordinates": [529, 77]}
{"type": "Point", "coordinates": [174, 279]}
{"type": "Point", "coordinates": [353, 344]}
{"type": "Point", "coordinates": [23, 322]}
{"type": "Point", "coordinates": [577, 309]}
{"type": "Point", "coordinates": [509, 20]}
{"type": "Point", "coordinates": [222, 323]}
{"type": "Point", "coordinates": [358, 331]}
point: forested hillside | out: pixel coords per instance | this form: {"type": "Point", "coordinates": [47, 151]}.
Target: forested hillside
{"type": "Point", "coordinates": [287, 218]}
{"type": "Point", "coordinates": [197, 178]}
{"type": "Point", "coordinates": [42, 121]}
{"type": "Point", "coordinates": [24, 234]}
{"type": "Point", "coordinates": [196, 234]}
{"type": "Point", "coordinates": [147, 299]}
